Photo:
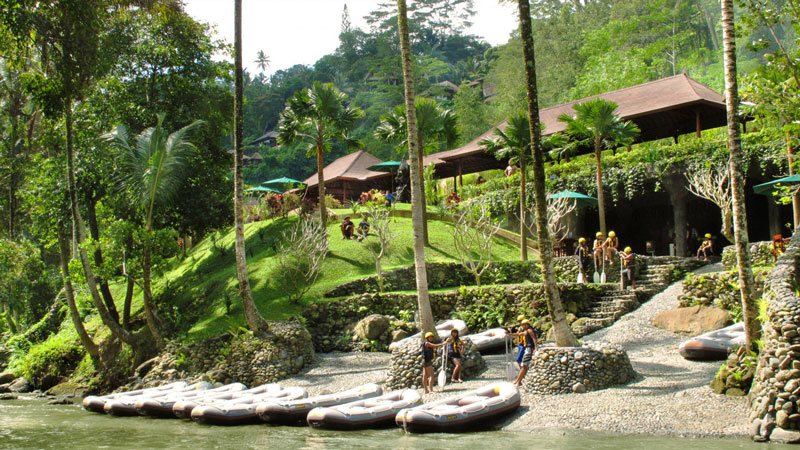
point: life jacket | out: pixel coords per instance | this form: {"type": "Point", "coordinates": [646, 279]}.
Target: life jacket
{"type": "Point", "coordinates": [526, 340]}
{"type": "Point", "coordinates": [630, 263]}
{"type": "Point", "coordinates": [612, 242]}
{"type": "Point", "coordinates": [598, 243]}
{"type": "Point", "coordinates": [707, 243]}
{"type": "Point", "coordinates": [584, 251]}
{"type": "Point", "coordinates": [427, 352]}
{"type": "Point", "coordinates": [454, 346]}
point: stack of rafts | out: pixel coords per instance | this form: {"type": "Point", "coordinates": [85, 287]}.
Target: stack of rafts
{"type": "Point", "coordinates": [359, 408]}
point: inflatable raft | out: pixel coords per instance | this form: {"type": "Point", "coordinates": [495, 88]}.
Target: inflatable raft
{"type": "Point", "coordinates": [95, 403]}
{"type": "Point", "coordinates": [714, 345]}
{"type": "Point", "coordinates": [162, 406]}
{"type": "Point", "coordinates": [293, 412]}
{"type": "Point", "coordinates": [468, 411]}
{"type": "Point", "coordinates": [241, 410]}
{"type": "Point", "coordinates": [489, 340]}
{"type": "Point", "coordinates": [183, 409]}
{"type": "Point", "coordinates": [371, 413]}
{"type": "Point", "coordinates": [443, 330]}
{"type": "Point", "coordinates": [126, 406]}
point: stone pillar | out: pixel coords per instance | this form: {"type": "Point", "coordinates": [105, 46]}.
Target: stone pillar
{"type": "Point", "coordinates": [675, 184]}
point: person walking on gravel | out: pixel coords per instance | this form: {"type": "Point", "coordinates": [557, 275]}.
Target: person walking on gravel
{"type": "Point", "coordinates": [454, 348]}
{"type": "Point", "coordinates": [628, 260]}
{"type": "Point", "coordinates": [528, 340]}
{"type": "Point", "coordinates": [428, 349]}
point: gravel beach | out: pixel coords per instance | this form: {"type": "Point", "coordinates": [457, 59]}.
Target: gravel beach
{"type": "Point", "coordinates": [670, 395]}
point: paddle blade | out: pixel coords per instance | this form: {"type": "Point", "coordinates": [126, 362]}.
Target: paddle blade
{"type": "Point", "coordinates": [442, 378]}
{"type": "Point", "coordinates": [603, 277]}
{"type": "Point", "coordinates": [580, 278]}
{"type": "Point", "coordinates": [511, 371]}
{"type": "Point", "coordinates": [596, 277]}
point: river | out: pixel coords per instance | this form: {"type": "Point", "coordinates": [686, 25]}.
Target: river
{"type": "Point", "coordinates": [29, 423]}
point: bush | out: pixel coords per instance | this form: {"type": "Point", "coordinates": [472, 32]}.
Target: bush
{"type": "Point", "coordinates": [57, 356]}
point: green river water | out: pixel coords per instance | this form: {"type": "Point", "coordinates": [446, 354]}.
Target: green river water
{"type": "Point", "coordinates": [32, 424]}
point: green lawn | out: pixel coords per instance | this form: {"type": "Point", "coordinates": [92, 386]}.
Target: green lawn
{"type": "Point", "coordinates": [205, 279]}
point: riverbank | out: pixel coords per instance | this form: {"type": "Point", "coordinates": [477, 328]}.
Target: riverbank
{"type": "Point", "coordinates": [669, 397]}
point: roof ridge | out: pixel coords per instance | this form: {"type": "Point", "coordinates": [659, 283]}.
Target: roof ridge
{"type": "Point", "coordinates": [580, 100]}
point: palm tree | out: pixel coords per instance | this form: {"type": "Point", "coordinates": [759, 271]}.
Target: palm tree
{"type": "Point", "coordinates": [596, 122]}
{"type": "Point", "coordinates": [150, 172]}
{"type": "Point", "coordinates": [735, 164]}
{"type": "Point", "coordinates": [514, 143]}
{"type": "Point", "coordinates": [254, 319]}
{"type": "Point", "coordinates": [435, 125]}
{"type": "Point", "coordinates": [561, 329]}
{"type": "Point", "coordinates": [318, 114]}
{"type": "Point", "coordinates": [262, 60]}
{"type": "Point", "coordinates": [417, 191]}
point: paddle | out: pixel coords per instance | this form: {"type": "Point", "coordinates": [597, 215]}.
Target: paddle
{"type": "Point", "coordinates": [443, 372]}
{"type": "Point", "coordinates": [621, 281]}
{"type": "Point", "coordinates": [511, 370]}
{"type": "Point", "coordinates": [603, 275]}
{"type": "Point", "coordinates": [580, 277]}
{"type": "Point", "coordinates": [596, 277]}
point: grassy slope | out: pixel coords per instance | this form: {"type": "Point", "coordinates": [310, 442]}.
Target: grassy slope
{"type": "Point", "coordinates": [202, 281]}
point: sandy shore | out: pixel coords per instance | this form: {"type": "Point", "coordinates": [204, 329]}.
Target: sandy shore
{"type": "Point", "coordinates": [669, 397]}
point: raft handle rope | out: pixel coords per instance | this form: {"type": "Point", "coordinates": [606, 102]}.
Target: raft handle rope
{"type": "Point", "coordinates": [405, 422]}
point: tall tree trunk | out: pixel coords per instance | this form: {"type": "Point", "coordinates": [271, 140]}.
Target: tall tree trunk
{"type": "Point", "coordinates": [94, 230]}
{"type": "Point", "coordinates": [796, 196]}
{"type": "Point", "coordinates": [150, 314]}
{"type": "Point", "coordinates": [676, 188]}
{"type": "Point", "coordinates": [254, 319]}
{"type": "Point", "coordinates": [561, 329]}
{"type": "Point", "coordinates": [12, 326]}
{"type": "Point", "coordinates": [601, 204]}
{"type": "Point", "coordinates": [417, 213]}
{"type": "Point", "coordinates": [422, 198]}
{"type": "Point", "coordinates": [126, 308]}
{"type": "Point", "coordinates": [746, 280]}
{"type": "Point", "coordinates": [79, 233]}
{"type": "Point", "coordinates": [323, 210]}
{"type": "Point", "coordinates": [523, 213]}
{"type": "Point", "coordinates": [712, 32]}
{"type": "Point", "coordinates": [86, 340]}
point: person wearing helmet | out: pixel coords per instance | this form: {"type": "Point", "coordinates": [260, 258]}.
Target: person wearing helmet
{"type": "Point", "coordinates": [454, 348]}
{"type": "Point", "coordinates": [520, 345]}
{"type": "Point", "coordinates": [628, 261]}
{"type": "Point", "coordinates": [584, 254]}
{"type": "Point", "coordinates": [428, 350]}
{"type": "Point", "coordinates": [612, 245]}
{"type": "Point", "coordinates": [597, 249]}
{"type": "Point", "coordinates": [528, 339]}
{"type": "Point", "coordinates": [706, 248]}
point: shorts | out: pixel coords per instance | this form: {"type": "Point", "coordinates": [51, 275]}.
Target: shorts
{"type": "Point", "coordinates": [520, 353]}
{"type": "Point", "coordinates": [526, 358]}
{"type": "Point", "coordinates": [455, 356]}
{"type": "Point", "coordinates": [427, 364]}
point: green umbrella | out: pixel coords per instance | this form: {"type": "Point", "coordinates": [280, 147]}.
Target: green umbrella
{"type": "Point", "coordinates": [771, 186]}
{"type": "Point", "coordinates": [263, 189]}
{"type": "Point", "coordinates": [580, 199]}
{"type": "Point", "coordinates": [282, 183]}
{"type": "Point", "coordinates": [387, 166]}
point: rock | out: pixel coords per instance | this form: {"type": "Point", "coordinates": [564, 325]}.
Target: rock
{"type": "Point", "coordinates": [4, 388]}
{"type": "Point", "coordinates": [20, 386]}
{"type": "Point", "coordinates": [784, 436]}
{"type": "Point", "coordinates": [7, 377]}
{"type": "Point", "coordinates": [782, 419]}
{"type": "Point", "coordinates": [399, 335]}
{"type": "Point", "coordinates": [60, 401]}
{"type": "Point", "coordinates": [371, 327]}
{"type": "Point", "coordinates": [67, 389]}
{"type": "Point", "coordinates": [578, 388]}
{"type": "Point", "coordinates": [8, 397]}
{"type": "Point", "coordinates": [692, 320]}
{"type": "Point", "coordinates": [735, 392]}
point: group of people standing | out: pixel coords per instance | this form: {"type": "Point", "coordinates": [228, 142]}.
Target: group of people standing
{"type": "Point", "coordinates": [604, 249]}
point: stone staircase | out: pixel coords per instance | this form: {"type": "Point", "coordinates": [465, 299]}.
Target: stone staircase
{"type": "Point", "coordinates": [651, 279]}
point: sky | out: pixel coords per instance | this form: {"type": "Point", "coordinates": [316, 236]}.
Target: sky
{"type": "Point", "coordinates": [301, 31]}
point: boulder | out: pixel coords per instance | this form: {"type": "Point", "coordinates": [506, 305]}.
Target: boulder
{"type": "Point", "coordinates": [372, 327]}
{"type": "Point", "coordinates": [398, 335]}
{"type": "Point", "coordinates": [7, 377]}
{"type": "Point", "coordinates": [8, 397]}
{"type": "Point", "coordinates": [693, 320]}
{"type": "Point", "coordinates": [67, 389]}
{"type": "Point", "coordinates": [20, 386]}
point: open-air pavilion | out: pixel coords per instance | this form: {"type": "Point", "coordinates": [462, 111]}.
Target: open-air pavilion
{"type": "Point", "coordinates": [347, 177]}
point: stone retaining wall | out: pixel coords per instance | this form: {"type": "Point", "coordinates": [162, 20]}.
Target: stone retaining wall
{"type": "Point", "coordinates": [760, 254]}
{"type": "Point", "coordinates": [775, 394]}
{"type": "Point", "coordinates": [564, 370]}
{"type": "Point", "coordinates": [405, 369]}
{"type": "Point", "coordinates": [720, 289]}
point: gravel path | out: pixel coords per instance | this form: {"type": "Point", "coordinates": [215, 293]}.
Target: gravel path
{"type": "Point", "coordinates": [669, 397]}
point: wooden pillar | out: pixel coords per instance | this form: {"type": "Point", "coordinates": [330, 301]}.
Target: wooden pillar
{"type": "Point", "coordinates": [697, 121]}
{"type": "Point", "coordinates": [773, 214]}
{"type": "Point", "coordinates": [675, 138]}
{"type": "Point", "coordinates": [675, 184]}
{"type": "Point", "coordinates": [460, 175]}
{"type": "Point", "coordinates": [455, 184]}
{"type": "Point", "coordinates": [344, 192]}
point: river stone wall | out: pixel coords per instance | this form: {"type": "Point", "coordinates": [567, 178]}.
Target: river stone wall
{"type": "Point", "coordinates": [564, 370]}
{"type": "Point", "coordinates": [405, 370]}
{"type": "Point", "coordinates": [331, 323]}
{"type": "Point", "coordinates": [760, 255]}
{"type": "Point", "coordinates": [228, 359]}
{"type": "Point", "coordinates": [775, 394]}
{"type": "Point", "coordinates": [720, 289]}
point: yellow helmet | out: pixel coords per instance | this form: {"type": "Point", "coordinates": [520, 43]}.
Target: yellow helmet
{"type": "Point", "coordinates": [599, 234]}
{"type": "Point", "coordinates": [611, 234]}
{"type": "Point", "coordinates": [520, 317]}
{"type": "Point", "coordinates": [428, 334]}
{"type": "Point", "coordinates": [581, 240]}
{"type": "Point", "coordinates": [628, 250]}
{"type": "Point", "coordinates": [526, 321]}
{"type": "Point", "coordinates": [708, 235]}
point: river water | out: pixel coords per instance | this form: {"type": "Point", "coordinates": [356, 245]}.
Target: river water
{"type": "Point", "coordinates": [28, 423]}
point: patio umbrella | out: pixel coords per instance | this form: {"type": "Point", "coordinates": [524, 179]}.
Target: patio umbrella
{"type": "Point", "coordinates": [263, 189]}
{"type": "Point", "coordinates": [771, 186]}
{"type": "Point", "coordinates": [580, 199]}
{"type": "Point", "coordinates": [386, 166]}
{"type": "Point", "coordinates": [282, 183]}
